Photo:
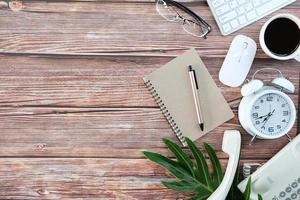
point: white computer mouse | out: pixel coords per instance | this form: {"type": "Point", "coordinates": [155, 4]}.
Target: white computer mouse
{"type": "Point", "coordinates": [238, 61]}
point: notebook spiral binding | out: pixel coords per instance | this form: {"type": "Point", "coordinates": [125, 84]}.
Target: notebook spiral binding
{"type": "Point", "coordinates": [166, 113]}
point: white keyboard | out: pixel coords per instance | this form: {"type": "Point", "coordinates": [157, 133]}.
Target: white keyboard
{"type": "Point", "coordinates": [232, 15]}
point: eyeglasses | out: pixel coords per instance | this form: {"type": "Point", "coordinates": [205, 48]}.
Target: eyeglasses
{"type": "Point", "coordinates": [176, 12]}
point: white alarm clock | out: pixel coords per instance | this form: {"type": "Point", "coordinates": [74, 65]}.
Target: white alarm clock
{"type": "Point", "coordinates": [266, 112]}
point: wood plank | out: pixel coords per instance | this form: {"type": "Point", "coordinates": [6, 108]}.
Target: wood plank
{"type": "Point", "coordinates": [112, 133]}
{"type": "Point", "coordinates": [91, 28]}
{"type": "Point", "coordinates": [98, 81]}
{"type": "Point", "coordinates": [42, 178]}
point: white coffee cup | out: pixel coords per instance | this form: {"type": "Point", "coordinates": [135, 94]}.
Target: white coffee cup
{"type": "Point", "coordinates": [295, 54]}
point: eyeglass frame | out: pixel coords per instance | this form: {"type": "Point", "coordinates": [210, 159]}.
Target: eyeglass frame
{"type": "Point", "coordinates": [192, 14]}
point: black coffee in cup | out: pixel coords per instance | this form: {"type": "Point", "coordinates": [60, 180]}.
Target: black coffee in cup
{"type": "Point", "coordinates": [282, 36]}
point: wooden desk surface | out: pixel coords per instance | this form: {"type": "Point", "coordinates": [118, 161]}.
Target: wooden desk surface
{"type": "Point", "coordinates": [74, 111]}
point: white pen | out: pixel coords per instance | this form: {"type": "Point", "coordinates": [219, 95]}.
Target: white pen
{"type": "Point", "coordinates": [195, 89]}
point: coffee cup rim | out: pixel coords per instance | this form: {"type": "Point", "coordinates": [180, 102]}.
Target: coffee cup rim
{"type": "Point", "coordinates": [262, 40]}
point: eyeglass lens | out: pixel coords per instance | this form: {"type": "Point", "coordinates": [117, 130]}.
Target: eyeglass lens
{"type": "Point", "coordinates": [172, 13]}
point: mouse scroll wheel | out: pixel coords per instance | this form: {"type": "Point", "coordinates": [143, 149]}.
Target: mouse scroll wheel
{"type": "Point", "coordinates": [245, 45]}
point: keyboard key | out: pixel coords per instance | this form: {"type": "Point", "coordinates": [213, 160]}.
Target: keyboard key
{"type": "Point", "coordinates": [269, 6]}
{"type": "Point", "coordinates": [242, 20]}
{"type": "Point", "coordinates": [294, 196]}
{"type": "Point", "coordinates": [233, 4]}
{"type": "Point", "coordinates": [241, 10]}
{"type": "Point", "coordinates": [288, 189]}
{"type": "Point", "coordinates": [282, 194]}
{"type": "Point", "coordinates": [217, 3]}
{"type": "Point", "coordinates": [294, 185]}
{"type": "Point", "coordinates": [226, 28]}
{"type": "Point", "coordinates": [256, 3]}
{"type": "Point", "coordinates": [234, 23]}
{"type": "Point", "coordinates": [228, 16]}
{"type": "Point", "coordinates": [241, 2]}
{"type": "Point", "coordinates": [223, 9]}
{"type": "Point", "coordinates": [251, 15]}
{"type": "Point", "coordinates": [248, 6]}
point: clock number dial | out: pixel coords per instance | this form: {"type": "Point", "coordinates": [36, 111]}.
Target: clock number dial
{"type": "Point", "coordinates": [271, 114]}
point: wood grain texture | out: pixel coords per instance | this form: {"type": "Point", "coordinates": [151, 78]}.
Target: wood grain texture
{"type": "Point", "coordinates": [105, 133]}
{"type": "Point", "coordinates": [99, 81]}
{"type": "Point", "coordinates": [99, 28]}
{"type": "Point", "coordinates": [74, 111]}
{"type": "Point", "coordinates": [110, 179]}
{"type": "Point", "coordinates": [95, 104]}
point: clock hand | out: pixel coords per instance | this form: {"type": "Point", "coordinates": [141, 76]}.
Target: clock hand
{"type": "Point", "coordinates": [267, 118]}
{"type": "Point", "coordinates": [273, 112]}
{"type": "Point", "coordinates": [269, 114]}
{"type": "Point", "coordinates": [262, 116]}
{"type": "Point", "coordinates": [265, 121]}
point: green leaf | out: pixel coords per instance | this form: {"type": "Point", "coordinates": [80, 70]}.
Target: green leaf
{"type": "Point", "coordinates": [200, 197]}
{"type": "Point", "coordinates": [215, 183]}
{"type": "Point", "coordinates": [180, 186]}
{"type": "Point", "coordinates": [182, 158]}
{"type": "Point", "coordinates": [173, 167]}
{"type": "Point", "coordinates": [248, 190]}
{"type": "Point", "coordinates": [260, 197]}
{"type": "Point", "coordinates": [201, 164]}
{"type": "Point", "coordinates": [215, 163]}
{"type": "Point", "coordinates": [157, 158]}
{"type": "Point", "coordinates": [176, 170]}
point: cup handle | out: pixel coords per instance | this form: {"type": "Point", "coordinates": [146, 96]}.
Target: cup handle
{"type": "Point", "coordinates": [298, 58]}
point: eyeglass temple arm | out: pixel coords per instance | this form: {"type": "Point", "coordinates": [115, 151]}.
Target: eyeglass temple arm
{"type": "Point", "coordinates": [186, 9]}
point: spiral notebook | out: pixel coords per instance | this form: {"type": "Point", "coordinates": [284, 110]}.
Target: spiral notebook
{"type": "Point", "coordinates": [171, 88]}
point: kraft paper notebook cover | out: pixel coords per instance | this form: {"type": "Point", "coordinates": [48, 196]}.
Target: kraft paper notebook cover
{"type": "Point", "coordinates": [170, 86]}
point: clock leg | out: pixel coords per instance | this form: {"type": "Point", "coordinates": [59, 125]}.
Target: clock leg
{"type": "Point", "coordinates": [252, 140]}
{"type": "Point", "coordinates": [289, 137]}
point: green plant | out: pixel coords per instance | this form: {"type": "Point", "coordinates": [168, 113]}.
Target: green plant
{"type": "Point", "coordinates": [195, 177]}
{"type": "Point", "coordinates": [248, 191]}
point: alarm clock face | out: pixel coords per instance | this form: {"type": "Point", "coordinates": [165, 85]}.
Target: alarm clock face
{"type": "Point", "coordinates": [271, 114]}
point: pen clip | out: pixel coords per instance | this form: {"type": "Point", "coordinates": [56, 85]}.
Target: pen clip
{"type": "Point", "coordinates": [196, 82]}
{"type": "Point", "coordinates": [194, 74]}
